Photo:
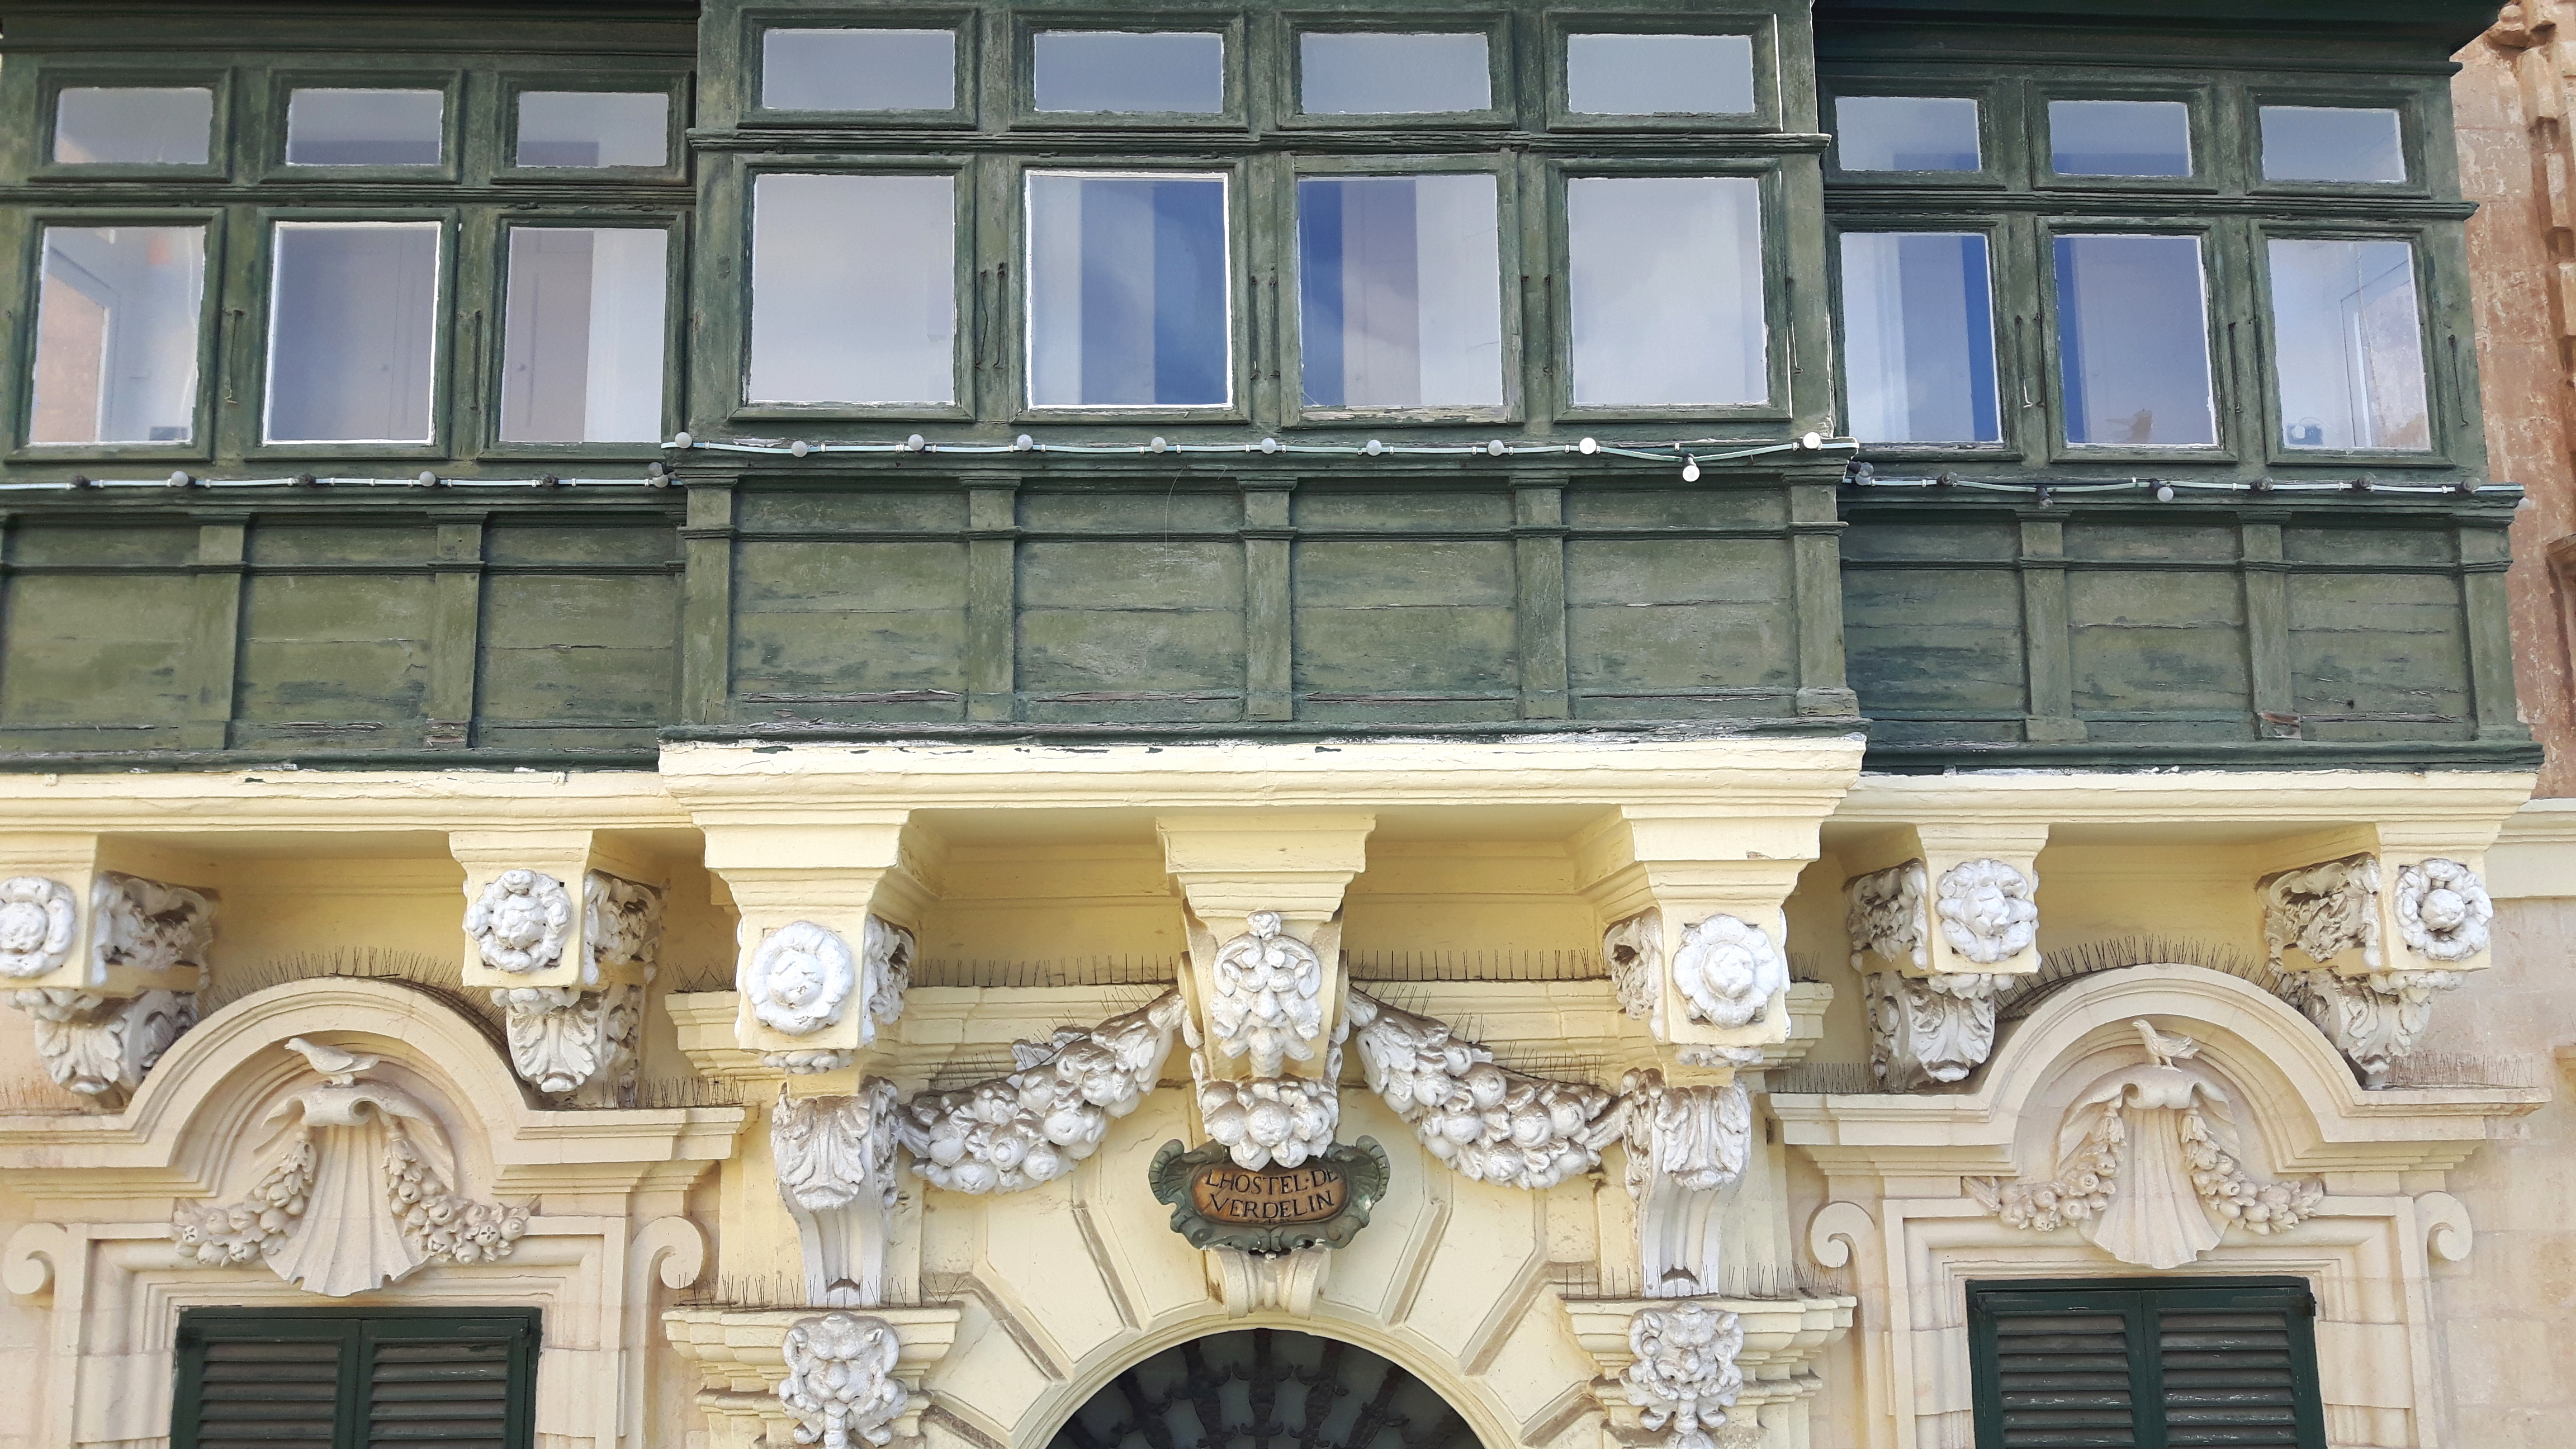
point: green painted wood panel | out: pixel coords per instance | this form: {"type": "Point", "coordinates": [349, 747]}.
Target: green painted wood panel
{"type": "Point", "coordinates": [122, 671]}
{"type": "Point", "coordinates": [1421, 629]}
{"type": "Point", "coordinates": [2159, 656]}
{"type": "Point", "coordinates": [335, 658]}
{"type": "Point", "coordinates": [1680, 628]}
{"type": "Point", "coordinates": [2380, 657]}
{"type": "Point", "coordinates": [1143, 631]}
{"type": "Point", "coordinates": [843, 629]}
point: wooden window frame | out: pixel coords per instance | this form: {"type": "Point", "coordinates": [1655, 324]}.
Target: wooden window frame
{"type": "Point", "coordinates": [356, 1329]}
{"type": "Point", "coordinates": [19, 389]}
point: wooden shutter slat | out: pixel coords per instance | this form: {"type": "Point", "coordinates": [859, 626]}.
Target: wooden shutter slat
{"type": "Point", "coordinates": [326, 1379]}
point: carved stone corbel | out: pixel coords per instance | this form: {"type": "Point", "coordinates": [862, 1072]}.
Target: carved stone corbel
{"type": "Point", "coordinates": [1749, 1361]}
{"type": "Point", "coordinates": [2326, 912]}
{"type": "Point", "coordinates": [100, 1043]}
{"type": "Point", "coordinates": [840, 1386]}
{"type": "Point", "coordinates": [835, 1159]}
{"type": "Point", "coordinates": [803, 982]}
{"type": "Point", "coordinates": [1685, 1146]}
{"type": "Point", "coordinates": [1250, 1283]}
{"type": "Point", "coordinates": [1928, 1029]}
{"type": "Point", "coordinates": [2374, 1019]}
{"type": "Point", "coordinates": [777, 1377]}
{"type": "Point", "coordinates": [573, 1045]}
{"type": "Point", "coordinates": [101, 1046]}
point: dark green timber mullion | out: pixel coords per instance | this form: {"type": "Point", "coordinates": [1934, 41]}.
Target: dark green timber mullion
{"type": "Point", "coordinates": [1815, 564]}
{"type": "Point", "coordinates": [992, 596]}
{"type": "Point", "coordinates": [455, 640]}
{"type": "Point", "coordinates": [707, 543]}
{"type": "Point", "coordinates": [1273, 382]}
{"type": "Point", "coordinates": [1269, 678]}
{"type": "Point", "coordinates": [2046, 634]}
{"type": "Point", "coordinates": [2267, 626]}
{"type": "Point", "coordinates": [1538, 546]}
{"type": "Point", "coordinates": [2485, 553]}
{"type": "Point", "coordinates": [222, 571]}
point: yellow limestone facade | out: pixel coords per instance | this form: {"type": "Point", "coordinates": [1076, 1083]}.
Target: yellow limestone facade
{"type": "Point", "coordinates": [694, 1059]}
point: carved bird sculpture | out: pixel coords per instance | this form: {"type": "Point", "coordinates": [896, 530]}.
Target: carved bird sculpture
{"type": "Point", "coordinates": [2165, 1049]}
{"type": "Point", "coordinates": [337, 1067]}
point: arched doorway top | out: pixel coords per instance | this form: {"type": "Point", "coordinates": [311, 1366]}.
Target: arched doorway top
{"type": "Point", "coordinates": [1266, 1388]}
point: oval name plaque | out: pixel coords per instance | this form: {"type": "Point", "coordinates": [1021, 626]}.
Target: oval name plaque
{"type": "Point", "coordinates": [1241, 1197]}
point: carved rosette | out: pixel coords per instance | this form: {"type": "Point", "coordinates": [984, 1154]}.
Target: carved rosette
{"type": "Point", "coordinates": [840, 1386]}
{"type": "Point", "coordinates": [2373, 1020]}
{"type": "Point", "coordinates": [521, 922]}
{"type": "Point", "coordinates": [2149, 1168]}
{"type": "Point", "coordinates": [1727, 971]}
{"type": "Point", "coordinates": [1268, 1001]}
{"type": "Point", "coordinates": [1685, 1145]}
{"type": "Point", "coordinates": [1634, 949]}
{"type": "Point", "coordinates": [621, 925]}
{"type": "Point", "coordinates": [361, 1193]}
{"type": "Point", "coordinates": [39, 918]}
{"type": "Point", "coordinates": [1684, 1377]}
{"type": "Point", "coordinates": [575, 1044]}
{"type": "Point", "coordinates": [1928, 1029]}
{"type": "Point", "coordinates": [1492, 1124]}
{"type": "Point", "coordinates": [835, 1159]}
{"type": "Point", "coordinates": [801, 979]}
{"type": "Point", "coordinates": [1034, 1125]}
{"type": "Point", "coordinates": [148, 926]}
{"type": "Point", "coordinates": [1886, 915]}
{"type": "Point", "coordinates": [1989, 910]}
{"type": "Point", "coordinates": [2442, 910]}
{"type": "Point", "coordinates": [2324, 911]}
{"type": "Point", "coordinates": [102, 1046]}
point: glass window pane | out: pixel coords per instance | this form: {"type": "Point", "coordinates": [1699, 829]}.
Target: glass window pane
{"type": "Point", "coordinates": [1371, 74]}
{"type": "Point", "coordinates": [2119, 138]}
{"type": "Point", "coordinates": [1127, 291]}
{"type": "Point", "coordinates": [1919, 337]}
{"type": "Point", "coordinates": [365, 128]}
{"type": "Point", "coordinates": [2332, 143]}
{"type": "Point", "coordinates": [858, 70]}
{"type": "Point", "coordinates": [1907, 133]}
{"type": "Point", "coordinates": [2350, 345]}
{"type": "Point", "coordinates": [1112, 70]}
{"type": "Point", "coordinates": [133, 126]}
{"type": "Point", "coordinates": [353, 331]}
{"type": "Point", "coordinates": [1659, 75]}
{"type": "Point", "coordinates": [1399, 292]}
{"type": "Point", "coordinates": [2133, 340]}
{"type": "Point", "coordinates": [581, 354]}
{"type": "Point", "coordinates": [1666, 290]}
{"type": "Point", "coordinates": [594, 128]}
{"type": "Point", "coordinates": [854, 289]}
{"type": "Point", "coordinates": [116, 334]}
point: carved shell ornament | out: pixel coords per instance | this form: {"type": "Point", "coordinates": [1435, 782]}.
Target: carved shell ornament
{"type": "Point", "coordinates": [1989, 910]}
{"type": "Point", "coordinates": [38, 918]}
{"type": "Point", "coordinates": [2443, 910]}
{"type": "Point", "coordinates": [801, 979]}
{"type": "Point", "coordinates": [1728, 971]}
{"type": "Point", "coordinates": [521, 922]}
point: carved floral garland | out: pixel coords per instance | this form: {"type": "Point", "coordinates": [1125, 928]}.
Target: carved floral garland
{"type": "Point", "coordinates": [1488, 1122]}
{"type": "Point", "coordinates": [1035, 1124]}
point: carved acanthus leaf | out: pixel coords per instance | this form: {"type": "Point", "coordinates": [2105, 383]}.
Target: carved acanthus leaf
{"type": "Point", "coordinates": [1496, 1125]}
{"type": "Point", "coordinates": [570, 1042]}
{"type": "Point", "coordinates": [1927, 1029]}
{"type": "Point", "coordinates": [1695, 1137]}
{"type": "Point", "coordinates": [831, 1152]}
{"type": "Point", "coordinates": [1685, 1376]}
{"type": "Point", "coordinates": [1635, 950]}
{"type": "Point", "coordinates": [621, 925]}
{"type": "Point", "coordinates": [2374, 1019]}
{"type": "Point", "coordinates": [521, 922]}
{"type": "Point", "coordinates": [1268, 1003]}
{"type": "Point", "coordinates": [2324, 911]}
{"type": "Point", "coordinates": [2149, 1168]}
{"type": "Point", "coordinates": [149, 926]}
{"type": "Point", "coordinates": [102, 1046]}
{"type": "Point", "coordinates": [1035, 1124]}
{"type": "Point", "coordinates": [888, 949]}
{"type": "Point", "coordinates": [840, 1386]}
{"type": "Point", "coordinates": [1727, 970]}
{"type": "Point", "coordinates": [800, 980]}
{"type": "Point", "coordinates": [2443, 910]}
{"type": "Point", "coordinates": [1885, 914]}
{"type": "Point", "coordinates": [1989, 910]}
{"type": "Point", "coordinates": [39, 918]}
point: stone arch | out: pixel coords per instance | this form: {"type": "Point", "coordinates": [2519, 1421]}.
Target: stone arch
{"type": "Point", "coordinates": [1305, 1362]}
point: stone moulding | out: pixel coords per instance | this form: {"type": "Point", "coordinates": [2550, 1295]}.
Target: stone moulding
{"type": "Point", "coordinates": [1925, 1030]}
{"type": "Point", "coordinates": [521, 921]}
{"type": "Point", "coordinates": [2323, 911]}
{"type": "Point", "coordinates": [1988, 909]}
{"type": "Point", "coordinates": [1885, 914]}
{"type": "Point", "coordinates": [1032, 1126]}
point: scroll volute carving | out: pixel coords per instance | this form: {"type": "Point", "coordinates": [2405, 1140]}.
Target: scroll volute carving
{"type": "Point", "coordinates": [1266, 993]}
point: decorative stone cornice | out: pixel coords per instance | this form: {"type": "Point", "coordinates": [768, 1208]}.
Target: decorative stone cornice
{"type": "Point", "coordinates": [1928, 1029]}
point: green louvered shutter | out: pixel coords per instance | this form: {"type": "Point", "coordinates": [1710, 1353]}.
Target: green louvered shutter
{"type": "Point", "coordinates": [2145, 1364]}
{"type": "Point", "coordinates": [355, 1379]}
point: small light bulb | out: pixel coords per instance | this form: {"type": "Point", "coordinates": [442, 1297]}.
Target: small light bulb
{"type": "Point", "coordinates": [683, 440]}
{"type": "Point", "coordinates": [181, 479]}
{"type": "Point", "coordinates": [1495, 449]}
{"type": "Point", "coordinates": [798, 448]}
{"type": "Point", "coordinates": [915, 443]}
{"type": "Point", "coordinates": [1812, 441]}
{"type": "Point", "coordinates": [1690, 471]}
{"type": "Point", "coordinates": [1270, 445]}
{"type": "Point", "coordinates": [428, 479]}
{"type": "Point", "coordinates": [1374, 448]}
{"type": "Point", "coordinates": [2164, 493]}
{"type": "Point", "coordinates": [1023, 443]}
{"type": "Point", "coordinates": [1158, 445]}
{"type": "Point", "coordinates": [1587, 447]}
